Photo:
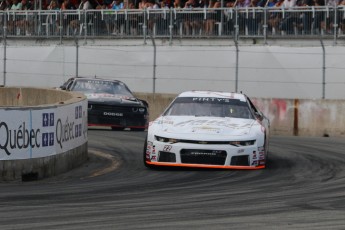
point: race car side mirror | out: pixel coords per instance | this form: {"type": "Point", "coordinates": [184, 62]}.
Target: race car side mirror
{"type": "Point", "coordinates": [259, 115]}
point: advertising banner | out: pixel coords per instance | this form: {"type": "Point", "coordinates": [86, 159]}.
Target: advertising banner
{"type": "Point", "coordinates": [33, 133]}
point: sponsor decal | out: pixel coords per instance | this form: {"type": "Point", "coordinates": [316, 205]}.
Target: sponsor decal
{"type": "Point", "coordinates": [113, 114]}
{"type": "Point", "coordinates": [254, 155]}
{"type": "Point", "coordinates": [261, 155]}
{"type": "Point", "coordinates": [153, 158]}
{"type": "Point", "coordinates": [240, 151]}
{"type": "Point", "coordinates": [47, 119]}
{"type": "Point", "coordinates": [255, 163]}
{"type": "Point", "coordinates": [217, 122]}
{"type": "Point", "coordinates": [66, 131]}
{"type": "Point", "coordinates": [260, 149]}
{"type": "Point", "coordinates": [203, 153]}
{"type": "Point", "coordinates": [262, 162]}
{"type": "Point", "coordinates": [19, 138]}
{"type": "Point", "coordinates": [212, 99]}
{"type": "Point", "coordinates": [48, 137]}
{"type": "Point", "coordinates": [38, 130]}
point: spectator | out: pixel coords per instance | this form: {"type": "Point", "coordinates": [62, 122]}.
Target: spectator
{"type": "Point", "coordinates": [306, 16]}
{"type": "Point", "coordinates": [53, 5]}
{"type": "Point", "coordinates": [195, 19]}
{"type": "Point", "coordinates": [242, 3]}
{"type": "Point", "coordinates": [117, 5]}
{"type": "Point", "coordinates": [5, 5]}
{"type": "Point", "coordinates": [17, 5]}
{"type": "Point", "coordinates": [67, 5]}
{"type": "Point", "coordinates": [341, 17]}
{"type": "Point", "coordinates": [75, 24]}
{"type": "Point", "coordinates": [12, 22]}
{"type": "Point", "coordinates": [85, 5]}
{"type": "Point", "coordinates": [177, 4]}
{"type": "Point", "coordinates": [230, 18]}
{"type": "Point", "coordinates": [118, 17]}
{"type": "Point", "coordinates": [67, 17]}
{"type": "Point", "coordinates": [274, 17]}
{"type": "Point", "coordinates": [164, 4]}
{"type": "Point", "coordinates": [144, 4]}
{"type": "Point", "coordinates": [162, 19]}
{"type": "Point", "coordinates": [27, 5]}
{"type": "Point", "coordinates": [25, 23]}
{"type": "Point", "coordinates": [53, 19]}
{"type": "Point", "coordinates": [242, 14]}
{"type": "Point", "coordinates": [333, 4]}
{"type": "Point", "coordinates": [290, 18]}
{"type": "Point", "coordinates": [132, 18]}
{"type": "Point", "coordinates": [212, 17]}
{"type": "Point", "coordinates": [253, 20]}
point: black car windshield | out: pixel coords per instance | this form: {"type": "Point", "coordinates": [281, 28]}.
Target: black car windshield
{"type": "Point", "coordinates": [101, 87]}
{"type": "Point", "coordinates": [212, 107]}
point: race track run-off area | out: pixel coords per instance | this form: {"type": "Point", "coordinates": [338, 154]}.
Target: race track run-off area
{"type": "Point", "coordinates": [302, 188]}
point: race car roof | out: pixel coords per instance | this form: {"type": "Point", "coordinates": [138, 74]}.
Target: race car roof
{"type": "Point", "coordinates": [215, 94]}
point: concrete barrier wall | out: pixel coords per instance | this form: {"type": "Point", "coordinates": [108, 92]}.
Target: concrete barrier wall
{"type": "Point", "coordinates": [19, 96]}
{"type": "Point", "coordinates": [287, 116]}
{"type": "Point", "coordinates": [43, 167]}
{"type": "Point", "coordinates": [43, 132]}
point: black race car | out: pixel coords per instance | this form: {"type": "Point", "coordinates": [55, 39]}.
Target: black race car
{"type": "Point", "coordinates": [111, 103]}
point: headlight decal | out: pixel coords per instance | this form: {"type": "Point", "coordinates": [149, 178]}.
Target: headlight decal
{"type": "Point", "coordinates": [233, 143]}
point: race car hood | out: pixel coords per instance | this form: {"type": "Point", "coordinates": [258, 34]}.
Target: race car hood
{"type": "Point", "coordinates": [111, 99]}
{"type": "Point", "coordinates": [188, 126]}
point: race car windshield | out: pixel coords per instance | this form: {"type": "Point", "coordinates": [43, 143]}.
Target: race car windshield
{"type": "Point", "coordinates": [101, 87]}
{"type": "Point", "coordinates": [210, 107]}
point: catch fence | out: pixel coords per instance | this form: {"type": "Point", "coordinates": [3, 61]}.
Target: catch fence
{"type": "Point", "coordinates": [251, 22]}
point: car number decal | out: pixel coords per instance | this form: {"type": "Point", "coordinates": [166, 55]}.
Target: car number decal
{"type": "Point", "coordinates": [167, 148]}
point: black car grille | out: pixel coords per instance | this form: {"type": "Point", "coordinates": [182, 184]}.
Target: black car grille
{"type": "Point", "coordinates": [240, 160]}
{"type": "Point", "coordinates": [197, 156]}
{"type": "Point", "coordinates": [166, 157]}
{"type": "Point", "coordinates": [99, 114]}
{"type": "Point", "coordinates": [111, 108]}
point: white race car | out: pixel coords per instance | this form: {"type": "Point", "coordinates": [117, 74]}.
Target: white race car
{"type": "Point", "coordinates": [205, 129]}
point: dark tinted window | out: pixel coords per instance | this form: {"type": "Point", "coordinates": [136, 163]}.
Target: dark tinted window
{"type": "Point", "coordinates": [206, 106]}
{"type": "Point", "coordinates": [101, 87]}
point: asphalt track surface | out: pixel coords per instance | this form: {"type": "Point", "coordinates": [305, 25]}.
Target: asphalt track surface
{"type": "Point", "coordinates": [303, 188]}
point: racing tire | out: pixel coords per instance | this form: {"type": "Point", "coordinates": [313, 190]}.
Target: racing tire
{"type": "Point", "coordinates": [137, 129]}
{"type": "Point", "coordinates": [266, 152]}
{"type": "Point", "coordinates": [115, 128]}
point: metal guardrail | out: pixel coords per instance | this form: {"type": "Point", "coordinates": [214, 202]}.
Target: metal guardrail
{"type": "Point", "coordinates": [268, 22]}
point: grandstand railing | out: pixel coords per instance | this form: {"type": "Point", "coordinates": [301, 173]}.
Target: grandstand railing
{"type": "Point", "coordinates": [267, 22]}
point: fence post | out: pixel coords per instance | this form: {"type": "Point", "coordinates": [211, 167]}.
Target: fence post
{"type": "Point", "coordinates": [236, 69]}
{"type": "Point", "coordinates": [323, 69]}
{"type": "Point", "coordinates": [5, 45]}
{"type": "Point", "coordinates": [154, 67]}
{"type": "Point", "coordinates": [171, 26]}
{"type": "Point", "coordinates": [237, 29]}
{"type": "Point", "coordinates": [76, 53]}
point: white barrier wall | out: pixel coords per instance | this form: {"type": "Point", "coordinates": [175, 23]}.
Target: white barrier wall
{"type": "Point", "coordinates": [34, 133]}
{"type": "Point", "coordinates": [43, 132]}
{"type": "Point", "coordinates": [264, 71]}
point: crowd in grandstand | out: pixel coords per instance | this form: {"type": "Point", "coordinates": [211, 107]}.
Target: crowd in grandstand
{"type": "Point", "coordinates": [275, 21]}
{"type": "Point", "coordinates": [155, 4]}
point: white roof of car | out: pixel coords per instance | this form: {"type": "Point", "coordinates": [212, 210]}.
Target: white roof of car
{"type": "Point", "coordinates": [216, 94]}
